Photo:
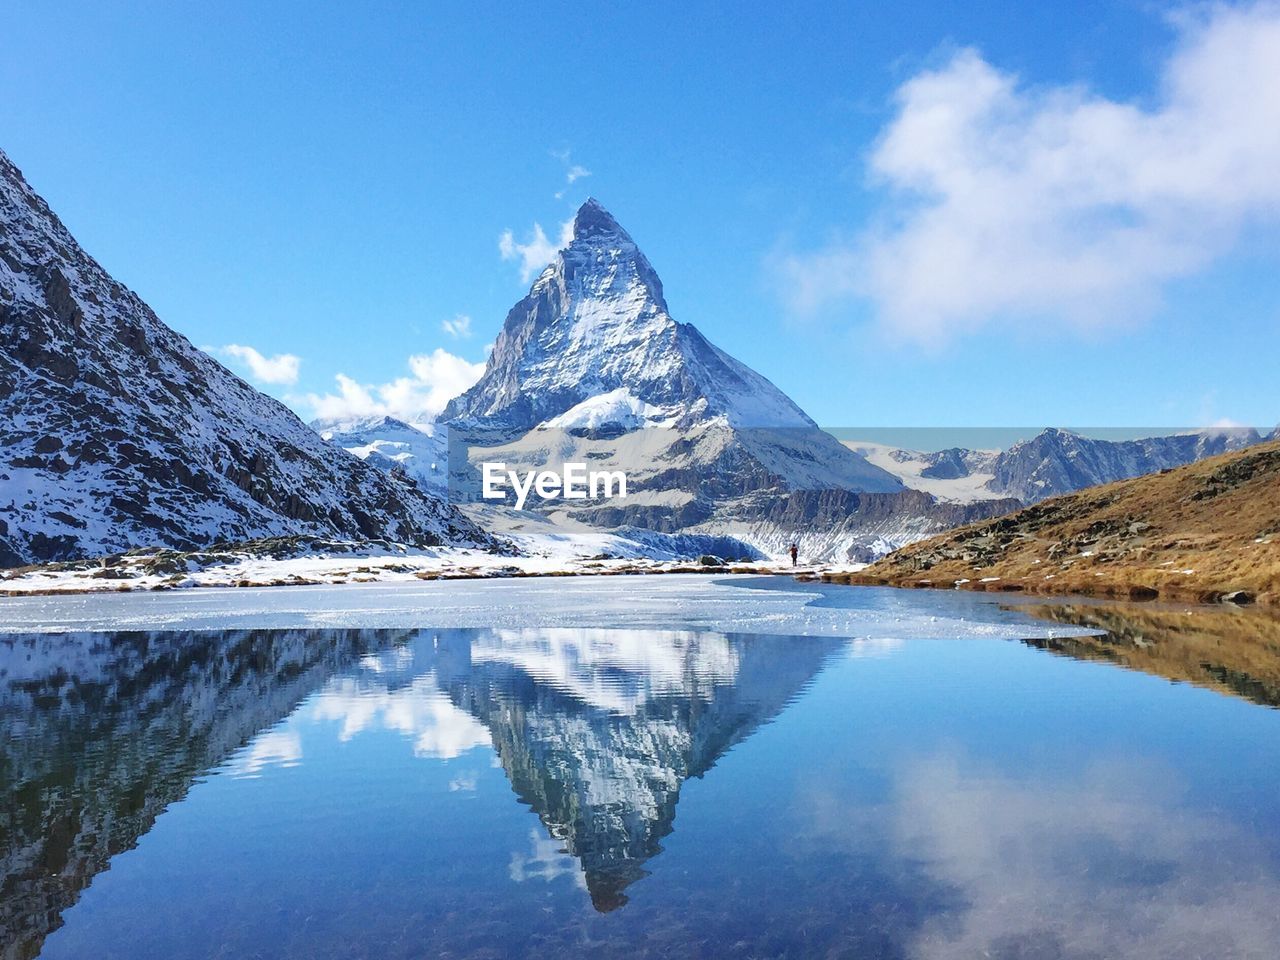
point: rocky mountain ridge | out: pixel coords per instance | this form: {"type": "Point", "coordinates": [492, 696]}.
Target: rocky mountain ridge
{"type": "Point", "coordinates": [116, 432]}
{"type": "Point", "coordinates": [1052, 463]}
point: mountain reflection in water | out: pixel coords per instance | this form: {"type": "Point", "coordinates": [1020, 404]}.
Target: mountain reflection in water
{"type": "Point", "coordinates": [1230, 649]}
{"type": "Point", "coordinates": [100, 732]}
{"type": "Point", "coordinates": [596, 730]}
{"type": "Point", "coordinates": [514, 792]}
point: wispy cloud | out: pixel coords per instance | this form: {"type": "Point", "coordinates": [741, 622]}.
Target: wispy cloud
{"type": "Point", "coordinates": [537, 252]}
{"type": "Point", "coordinates": [573, 171]}
{"type": "Point", "coordinates": [458, 327]}
{"type": "Point", "coordinates": [434, 379]}
{"type": "Point", "coordinates": [282, 369]}
{"type": "Point", "coordinates": [1057, 206]}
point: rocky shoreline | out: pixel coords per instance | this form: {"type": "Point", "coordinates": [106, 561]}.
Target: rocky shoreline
{"type": "Point", "coordinates": [308, 561]}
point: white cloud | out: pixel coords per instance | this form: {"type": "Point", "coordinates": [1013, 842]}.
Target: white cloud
{"type": "Point", "coordinates": [1108, 863]}
{"type": "Point", "coordinates": [545, 861]}
{"type": "Point", "coordinates": [281, 369]}
{"type": "Point", "coordinates": [537, 252]}
{"type": "Point", "coordinates": [1057, 205]}
{"type": "Point", "coordinates": [275, 748]}
{"type": "Point", "coordinates": [435, 379]}
{"type": "Point", "coordinates": [458, 327]}
{"type": "Point", "coordinates": [573, 172]}
{"type": "Point", "coordinates": [1106, 859]}
{"type": "Point", "coordinates": [463, 783]}
{"type": "Point", "coordinates": [420, 712]}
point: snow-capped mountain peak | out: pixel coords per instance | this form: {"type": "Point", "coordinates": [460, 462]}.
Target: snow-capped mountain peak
{"type": "Point", "coordinates": [597, 321]}
{"type": "Point", "coordinates": [593, 351]}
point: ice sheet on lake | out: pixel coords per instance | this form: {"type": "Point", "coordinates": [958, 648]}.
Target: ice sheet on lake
{"type": "Point", "coordinates": [772, 605]}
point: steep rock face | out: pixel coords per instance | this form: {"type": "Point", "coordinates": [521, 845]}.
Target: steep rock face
{"type": "Point", "coordinates": [116, 432]}
{"type": "Point", "coordinates": [592, 350]}
{"type": "Point", "coordinates": [596, 321]}
{"type": "Point", "coordinates": [956, 462]}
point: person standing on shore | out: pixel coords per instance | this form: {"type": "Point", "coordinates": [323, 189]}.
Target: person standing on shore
{"type": "Point", "coordinates": [795, 552]}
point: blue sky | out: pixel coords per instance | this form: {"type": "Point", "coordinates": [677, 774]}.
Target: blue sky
{"type": "Point", "coordinates": [935, 214]}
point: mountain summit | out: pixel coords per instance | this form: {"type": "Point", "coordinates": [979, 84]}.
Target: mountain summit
{"type": "Point", "coordinates": [591, 367]}
{"type": "Point", "coordinates": [593, 348]}
{"type": "Point", "coordinates": [596, 321]}
{"type": "Point", "coordinates": [592, 218]}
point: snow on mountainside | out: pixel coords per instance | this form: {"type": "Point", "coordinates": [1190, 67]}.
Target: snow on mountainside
{"type": "Point", "coordinates": [1058, 461]}
{"type": "Point", "coordinates": [116, 432]}
{"type": "Point", "coordinates": [596, 321]}
{"type": "Point", "coordinates": [618, 410]}
{"type": "Point", "coordinates": [591, 367]}
{"type": "Point", "coordinates": [421, 450]}
{"type": "Point", "coordinates": [1052, 463]}
{"type": "Point", "coordinates": [955, 475]}
{"type": "Point", "coordinates": [593, 353]}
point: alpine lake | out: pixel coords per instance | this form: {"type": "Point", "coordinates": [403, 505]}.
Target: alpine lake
{"type": "Point", "coordinates": [636, 767]}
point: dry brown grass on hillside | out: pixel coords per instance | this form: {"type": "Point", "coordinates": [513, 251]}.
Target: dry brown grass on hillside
{"type": "Point", "coordinates": [1200, 532]}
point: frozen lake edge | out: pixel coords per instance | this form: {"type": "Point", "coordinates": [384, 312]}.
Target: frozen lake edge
{"type": "Point", "coordinates": [738, 604]}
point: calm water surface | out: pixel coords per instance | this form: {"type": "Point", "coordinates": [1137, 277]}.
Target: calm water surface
{"type": "Point", "coordinates": [596, 792]}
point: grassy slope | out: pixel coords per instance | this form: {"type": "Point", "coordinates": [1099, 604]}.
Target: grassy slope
{"type": "Point", "coordinates": [1195, 533]}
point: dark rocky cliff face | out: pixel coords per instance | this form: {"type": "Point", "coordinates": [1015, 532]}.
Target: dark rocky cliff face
{"type": "Point", "coordinates": [116, 432]}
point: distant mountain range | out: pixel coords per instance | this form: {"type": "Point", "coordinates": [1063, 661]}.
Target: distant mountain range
{"type": "Point", "coordinates": [115, 432]}
{"type": "Point", "coordinates": [1052, 463]}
